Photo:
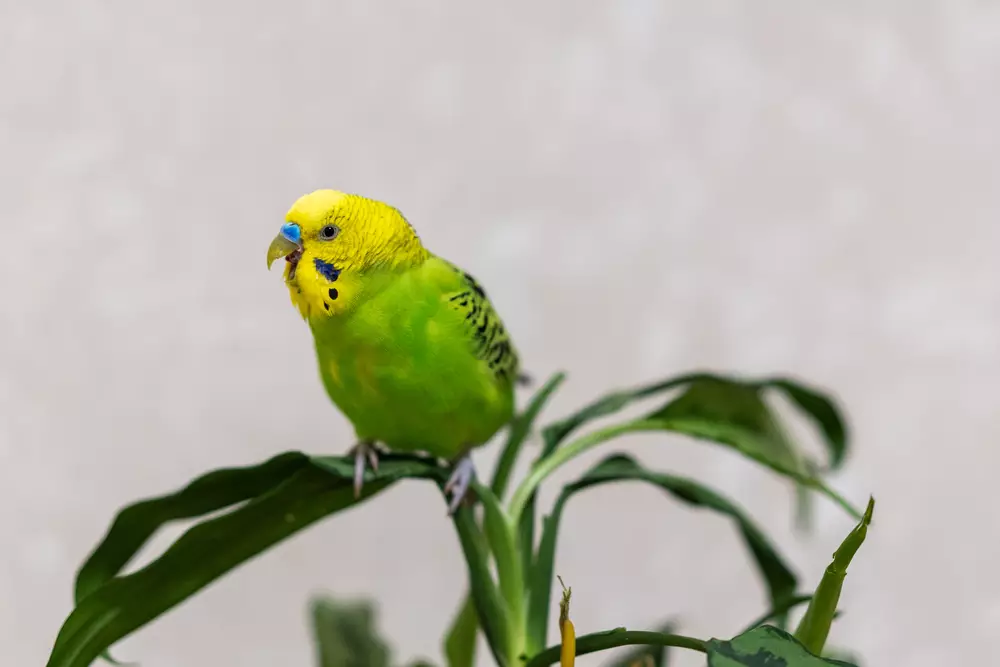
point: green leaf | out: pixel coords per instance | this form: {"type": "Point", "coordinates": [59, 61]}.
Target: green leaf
{"type": "Point", "coordinates": [489, 604]}
{"type": "Point", "coordinates": [814, 628]}
{"type": "Point", "coordinates": [779, 579]}
{"type": "Point", "coordinates": [646, 656]}
{"type": "Point", "coordinates": [460, 642]}
{"type": "Point", "coordinates": [732, 413]}
{"type": "Point", "coordinates": [762, 647]}
{"type": "Point", "coordinates": [502, 539]}
{"type": "Point", "coordinates": [602, 641]}
{"type": "Point", "coordinates": [122, 604]}
{"type": "Point", "coordinates": [136, 524]}
{"type": "Point", "coordinates": [555, 433]}
{"type": "Point", "coordinates": [518, 432]}
{"type": "Point", "coordinates": [712, 407]}
{"type": "Point", "coordinates": [346, 635]}
{"type": "Point", "coordinates": [824, 413]}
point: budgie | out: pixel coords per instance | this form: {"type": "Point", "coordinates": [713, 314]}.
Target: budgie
{"type": "Point", "coordinates": [409, 347]}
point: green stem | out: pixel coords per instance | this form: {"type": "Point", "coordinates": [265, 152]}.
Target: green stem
{"type": "Point", "coordinates": [547, 466]}
{"type": "Point", "coordinates": [814, 628]}
{"type": "Point", "coordinates": [601, 641]}
{"type": "Point", "coordinates": [502, 537]}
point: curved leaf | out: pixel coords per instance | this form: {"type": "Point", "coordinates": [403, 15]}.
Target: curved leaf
{"type": "Point", "coordinates": [712, 407]}
{"type": "Point", "coordinates": [136, 524]}
{"type": "Point", "coordinates": [519, 429]}
{"type": "Point", "coordinates": [735, 414]}
{"type": "Point", "coordinates": [208, 550]}
{"type": "Point", "coordinates": [824, 413]}
{"type": "Point", "coordinates": [765, 645]}
{"type": "Point", "coordinates": [556, 432]}
{"type": "Point", "coordinates": [778, 577]}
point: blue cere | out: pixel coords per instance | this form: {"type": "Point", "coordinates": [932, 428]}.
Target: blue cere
{"type": "Point", "coordinates": [292, 232]}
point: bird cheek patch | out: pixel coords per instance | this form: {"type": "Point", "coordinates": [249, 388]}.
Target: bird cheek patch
{"type": "Point", "coordinates": [327, 270]}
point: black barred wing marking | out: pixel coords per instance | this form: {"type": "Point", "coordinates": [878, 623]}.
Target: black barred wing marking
{"type": "Point", "coordinates": [489, 338]}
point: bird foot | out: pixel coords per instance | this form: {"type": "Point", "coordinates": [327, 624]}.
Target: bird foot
{"type": "Point", "coordinates": [458, 483]}
{"type": "Point", "coordinates": [362, 452]}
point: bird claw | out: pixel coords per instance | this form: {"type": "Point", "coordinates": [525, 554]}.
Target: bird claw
{"type": "Point", "coordinates": [362, 452]}
{"type": "Point", "coordinates": [458, 483]}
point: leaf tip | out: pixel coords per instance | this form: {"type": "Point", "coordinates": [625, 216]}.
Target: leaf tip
{"type": "Point", "coordinates": [869, 511]}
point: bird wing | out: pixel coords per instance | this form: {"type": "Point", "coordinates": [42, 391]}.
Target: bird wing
{"type": "Point", "coordinates": [488, 338]}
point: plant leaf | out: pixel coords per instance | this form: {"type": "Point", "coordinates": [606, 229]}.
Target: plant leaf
{"type": "Point", "coordinates": [765, 645]}
{"type": "Point", "coordinates": [732, 413]}
{"type": "Point", "coordinates": [489, 604]}
{"type": "Point", "coordinates": [460, 642]}
{"type": "Point", "coordinates": [824, 413]}
{"type": "Point", "coordinates": [211, 548]}
{"type": "Point", "coordinates": [556, 432]}
{"type": "Point", "coordinates": [346, 636]}
{"type": "Point", "coordinates": [518, 432]}
{"type": "Point", "coordinates": [778, 577]}
{"type": "Point", "coordinates": [646, 656]}
{"type": "Point", "coordinates": [137, 523]}
{"type": "Point", "coordinates": [502, 539]}
{"type": "Point", "coordinates": [814, 628]}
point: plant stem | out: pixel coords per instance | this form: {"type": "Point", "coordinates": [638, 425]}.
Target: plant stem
{"type": "Point", "coordinates": [547, 466]}
{"type": "Point", "coordinates": [502, 538]}
{"type": "Point", "coordinates": [600, 641]}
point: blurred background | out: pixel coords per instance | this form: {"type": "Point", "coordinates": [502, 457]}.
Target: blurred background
{"type": "Point", "coordinates": [645, 187]}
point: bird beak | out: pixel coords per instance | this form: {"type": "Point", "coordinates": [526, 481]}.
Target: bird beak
{"type": "Point", "coordinates": [285, 243]}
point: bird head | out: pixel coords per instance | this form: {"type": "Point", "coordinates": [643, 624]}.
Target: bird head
{"type": "Point", "coordinates": [331, 241]}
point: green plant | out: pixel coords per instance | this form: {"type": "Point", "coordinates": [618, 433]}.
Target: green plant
{"type": "Point", "coordinates": [510, 569]}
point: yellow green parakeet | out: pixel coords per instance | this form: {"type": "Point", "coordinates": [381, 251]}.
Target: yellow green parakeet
{"type": "Point", "coordinates": [409, 346]}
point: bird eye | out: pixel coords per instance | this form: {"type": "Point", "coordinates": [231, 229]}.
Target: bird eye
{"type": "Point", "coordinates": [329, 232]}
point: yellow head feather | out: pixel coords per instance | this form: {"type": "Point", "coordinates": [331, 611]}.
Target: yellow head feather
{"type": "Point", "coordinates": [345, 239]}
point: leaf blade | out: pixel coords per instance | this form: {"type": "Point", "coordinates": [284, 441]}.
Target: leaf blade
{"type": "Point", "coordinates": [778, 577]}
{"type": "Point", "coordinates": [214, 547]}
{"type": "Point", "coordinates": [135, 524]}
{"type": "Point", "coordinates": [765, 645]}
{"type": "Point", "coordinates": [520, 427]}
{"type": "Point", "coordinates": [824, 413]}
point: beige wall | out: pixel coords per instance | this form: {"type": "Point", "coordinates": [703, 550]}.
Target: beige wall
{"type": "Point", "coordinates": [644, 187]}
